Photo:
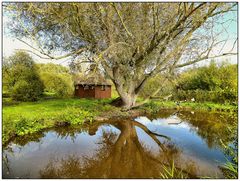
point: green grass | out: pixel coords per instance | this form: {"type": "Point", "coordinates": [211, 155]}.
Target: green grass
{"type": "Point", "coordinates": [230, 170]}
{"type": "Point", "coordinates": [171, 172]}
{"type": "Point", "coordinates": [31, 109]}
{"type": "Point", "coordinates": [155, 105]}
{"type": "Point", "coordinates": [30, 117]}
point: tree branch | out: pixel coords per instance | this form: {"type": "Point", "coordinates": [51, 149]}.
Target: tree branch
{"type": "Point", "coordinates": [224, 11]}
{"type": "Point", "coordinates": [120, 17]}
{"type": "Point", "coordinates": [56, 58]}
{"type": "Point", "coordinates": [203, 58]}
{"type": "Point", "coordinates": [166, 35]}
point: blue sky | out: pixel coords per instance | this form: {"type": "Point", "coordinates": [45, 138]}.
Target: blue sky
{"type": "Point", "coordinates": [231, 26]}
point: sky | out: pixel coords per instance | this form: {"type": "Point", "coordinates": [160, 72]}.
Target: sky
{"type": "Point", "coordinates": [11, 44]}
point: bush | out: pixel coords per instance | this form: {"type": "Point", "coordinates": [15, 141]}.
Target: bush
{"type": "Point", "coordinates": [219, 96]}
{"type": "Point", "coordinates": [27, 91]}
{"type": "Point", "coordinates": [215, 83]}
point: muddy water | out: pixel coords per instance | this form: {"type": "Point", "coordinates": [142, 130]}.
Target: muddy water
{"type": "Point", "coordinates": [139, 148]}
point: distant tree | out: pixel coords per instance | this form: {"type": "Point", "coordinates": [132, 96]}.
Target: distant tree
{"type": "Point", "coordinates": [132, 42]}
{"type": "Point", "coordinates": [56, 79]}
{"type": "Point", "coordinates": [212, 77]}
{"type": "Point", "coordinates": [21, 78]}
{"type": "Point", "coordinates": [54, 68]}
{"type": "Point", "coordinates": [159, 85]}
{"type": "Point", "coordinates": [220, 80]}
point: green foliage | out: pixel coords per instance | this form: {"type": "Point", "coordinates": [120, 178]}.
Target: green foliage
{"type": "Point", "coordinates": [154, 106]}
{"type": "Point", "coordinates": [153, 84]}
{"type": "Point", "coordinates": [230, 168]}
{"type": "Point", "coordinates": [21, 79]}
{"type": "Point", "coordinates": [218, 96]}
{"type": "Point", "coordinates": [75, 116]}
{"type": "Point", "coordinates": [216, 83]}
{"type": "Point", "coordinates": [114, 93]}
{"type": "Point", "coordinates": [53, 68]}
{"type": "Point", "coordinates": [25, 126]}
{"type": "Point", "coordinates": [61, 85]}
{"type": "Point", "coordinates": [56, 79]}
{"type": "Point", "coordinates": [8, 101]}
{"type": "Point", "coordinates": [27, 91]}
{"type": "Point", "coordinates": [171, 172]}
{"type": "Point", "coordinates": [28, 117]}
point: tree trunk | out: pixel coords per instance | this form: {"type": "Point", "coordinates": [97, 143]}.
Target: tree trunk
{"type": "Point", "coordinates": [128, 96]}
{"type": "Point", "coordinates": [128, 100]}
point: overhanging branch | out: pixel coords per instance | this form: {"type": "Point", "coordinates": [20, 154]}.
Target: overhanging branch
{"type": "Point", "coordinates": [55, 58]}
{"type": "Point", "coordinates": [203, 58]}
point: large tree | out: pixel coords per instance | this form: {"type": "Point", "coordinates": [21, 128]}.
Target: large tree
{"type": "Point", "coordinates": [130, 41]}
{"type": "Point", "coordinates": [21, 78]}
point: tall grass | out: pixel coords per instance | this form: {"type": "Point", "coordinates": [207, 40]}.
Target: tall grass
{"type": "Point", "coordinates": [230, 168]}
{"type": "Point", "coordinates": [171, 172]}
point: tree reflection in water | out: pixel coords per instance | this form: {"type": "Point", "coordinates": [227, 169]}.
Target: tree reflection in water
{"type": "Point", "coordinates": [120, 156]}
{"type": "Point", "coordinates": [212, 126]}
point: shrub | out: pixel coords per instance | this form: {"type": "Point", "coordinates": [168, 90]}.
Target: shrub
{"type": "Point", "coordinates": [215, 83]}
{"type": "Point", "coordinates": [27, 91]}
{"type": "Point", "coordinates": [218, 96]}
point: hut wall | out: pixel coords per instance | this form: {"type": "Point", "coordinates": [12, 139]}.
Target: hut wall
{"type": "Point", "coordinates": [99, 93]}
{"type": "Point", "coordinates": [88, 93]}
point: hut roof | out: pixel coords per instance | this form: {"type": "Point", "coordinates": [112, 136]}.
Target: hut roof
{"type": "Point", "coordinates": [93, 79]}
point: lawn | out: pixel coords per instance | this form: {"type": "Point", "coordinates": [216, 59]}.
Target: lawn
{"type": "Point", "coordinates": [29, 117]}
{"type": "Point", "coordinates": [48, 107]}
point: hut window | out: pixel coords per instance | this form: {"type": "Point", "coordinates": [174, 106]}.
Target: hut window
{"type": "Point", "coordinates": [86, 87]}
{"type": "Point", "coordinates": [77, 87]}
{"type": "Point", "coordinates": [103, 88]}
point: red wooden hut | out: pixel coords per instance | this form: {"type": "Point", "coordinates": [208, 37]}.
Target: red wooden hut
{"type": "Point", "coordinates": [94, 86]}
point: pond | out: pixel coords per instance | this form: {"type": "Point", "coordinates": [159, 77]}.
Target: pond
{"type": "Point", "coordinates": [143, 147]}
